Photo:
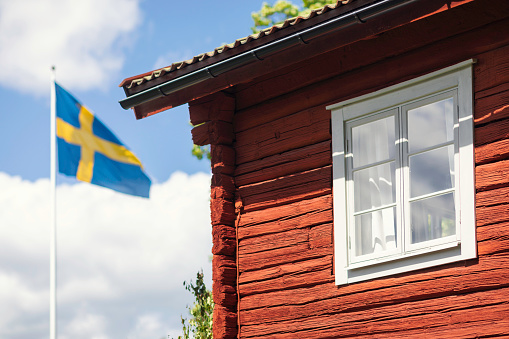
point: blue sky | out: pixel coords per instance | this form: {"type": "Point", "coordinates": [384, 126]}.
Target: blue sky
{"type": "Point", "coordinates": [121, 259]}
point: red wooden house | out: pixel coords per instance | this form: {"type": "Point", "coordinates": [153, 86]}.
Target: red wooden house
{"type": "Point", "coordinates": [360, 161]}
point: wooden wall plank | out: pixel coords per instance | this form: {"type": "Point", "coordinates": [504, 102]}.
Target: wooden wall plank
{"type": "Point", "coordinates": [492, 175]}
{"type": "Point", "coordinates": [492, 197]}
{"type": "Point", "coordinates": [317, 236]}
{"type": "Point", "coordinates": [491, 132]}
{"type": "Point", "coordinates": [273, 241]}
{"type": "Point", "coordinates": [492, 152]}
{"type": "Point", "coordinates": [492, 69]}
{"type": "Point", "coordinates": [493, 239]}
{"type": "Point", "coordinates": [300, 267]}
{"type": "Point", "coordinates": [218, 106]}
{"type": "Point", "coordinates": [298, 130]}
{"type": "Point", "coordinates": [493, 107]}
{"type": "Point", "coordinates": [491, 271]}
{"type": "Point", "coordinates": [285, 163]}
{"type": "Point", "coordinates": [213, 132]}
{"type": "Point", "coordinates": [492, 214]}
{"type": "Point", "coordinates": [280, 256]}
{"type": "Point", "coordinates": [460, 327]}
{"type": "Point", "coordinates": [285, 213]}
{"type": "Point", "coordinates": [436, 312]}
{"type": "Point", "coordinates": [287, 189]}
{"type": "Point", "coordinates": [312, 276]}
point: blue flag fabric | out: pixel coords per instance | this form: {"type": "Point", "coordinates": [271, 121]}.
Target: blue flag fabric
{"type": "Point", "coordinates": [89, 151]}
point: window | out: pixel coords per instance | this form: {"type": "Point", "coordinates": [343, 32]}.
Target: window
{"type": "Point", "coordinates": [403, 167]}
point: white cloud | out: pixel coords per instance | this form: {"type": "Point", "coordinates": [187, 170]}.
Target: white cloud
{"type": "Point", "coordinates": [148, 326]}
{"type": "Point", "coordinates": [121, 259]}
{"type": "Point", "coordinates": [84, 39]}
{"type": "Point", "coordinates": [85, 326]}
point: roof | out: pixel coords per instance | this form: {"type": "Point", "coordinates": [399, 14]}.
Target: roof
{"type": "Point", "coordinates": [263, 35]}
{"type": "Point", "coordinates": [277, 48]}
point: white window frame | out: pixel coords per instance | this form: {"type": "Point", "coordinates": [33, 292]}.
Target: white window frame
{"type": "Point", "coordinates": [458, 79]}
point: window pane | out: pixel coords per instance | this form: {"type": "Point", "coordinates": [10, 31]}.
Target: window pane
{"type": "Point", "coordinates": [373, 142]}
{"type": "Point", "coordinates": [432, 171]}
{"type": "Point", "coordinates": [430, 125]}
{"type": "Point", "coordinates": [374, 186]}
{"type": "Point", "coordinates": [433, 218]}
{"type": "Point", "coordinates": [375, 232]}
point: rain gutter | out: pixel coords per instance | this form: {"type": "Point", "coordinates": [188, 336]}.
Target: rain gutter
{"type": "Point", "coordinates": [360, 15]}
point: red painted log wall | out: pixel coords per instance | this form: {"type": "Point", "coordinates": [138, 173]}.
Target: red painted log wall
{"type": "Point", "coordinates": [283, 180]}
{"type": "Point", "coordinates": [271, 195]}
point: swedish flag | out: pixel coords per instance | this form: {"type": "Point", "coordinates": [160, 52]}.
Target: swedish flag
{"type": "Point", "coordinates": [88, 150]}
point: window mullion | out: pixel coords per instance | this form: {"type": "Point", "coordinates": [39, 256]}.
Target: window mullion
{"type": "Point", "coordinates": [403, 179]}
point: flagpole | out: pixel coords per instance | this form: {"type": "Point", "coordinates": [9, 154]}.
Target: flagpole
{"type": "Point", "coordinates": [53, 194]}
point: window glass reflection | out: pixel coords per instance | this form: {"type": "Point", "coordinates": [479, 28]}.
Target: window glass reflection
{"type": "Point", "coordinates": [375, 232]}
{"type": "Point", "coordinates": [430, 125]}
{"type": "Point", "coordinates": [374, 186]}
{"type": "Point", "coordinates": [432, 171]}
{"type": "Point", "coordinates": [373, 142]}
{"type": "Point", "coordinates": [432, 218]}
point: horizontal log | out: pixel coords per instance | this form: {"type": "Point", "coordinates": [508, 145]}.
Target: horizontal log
{"type": "Point", "coordinates": [286, 212]}
{"type": "Point", "coordinates": [293, 268]}
{"type": "Point", "coordinates": [492, 214]}
{"type": "Point", "coordinates": [492, 69]}
{"type": "Point", "coordinates": [213, 132]}
{"type": "Point", "coordinates": [224, 295]}
{"type": "Point", "coordinates": [492, 175]}
{"type": "Point", "coordinates": [287, 189]}
{"type": "Point", "coordinates": [297, 130]}
{"type": "Point", "coordinates": [217, 106]}
{"type": "Point", "coordinates": [491, 132]}
{"type": "Point", "coordinates": [492, 108]}
{"type": "Point", "coordinates": [281, 256]}
{"type": "Point", "coordinates": [311, 277]}
{"type": "Point", "coordinates": [222, 212]}
{"type": "Point", "coordinates": [273, 241]}
{"type": "Point", "coordinates": [487, 328]}
{"type": "Point", "coordinates": [321, 236]}
{"type": "Point", "coordinates": [223, 240]}
{"type": "Point", "coordinates": [495, 151]}
{"type": "Point", "coordinates": [306, 219]}
{"type": "Point", "coordinates": [224, 275]}
{"type": "Point", "coordinates": [291, 162]}
{"type": "Point", "coordinates": [491, 91]}
{"type": "Point", "coordinates": [493, 239]}
{"type": "Point", "coordinates": [223, 261]}
{"type": "Point", "coordinates": [224, 247]}
{"type": "Point", "coordinates": [224, 181]}
{"type": "Point", "coordinates": [317, 236]}
{"type": "Point", "coordinates": [220, 192]}
{"type": "Point", "coordinates": [490, 272]}
{"type": "Point", "coordinates": [222, 159]}
{"type": "Point", "coordinates": [492, 197]}
{"type": "Point", "coordinates": [436, 312]}
{"type": "Point", "coordinates": [225, 323]}
{"type": "Point", "coordinates": [484, 322]}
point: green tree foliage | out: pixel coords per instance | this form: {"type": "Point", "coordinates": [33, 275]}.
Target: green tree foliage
{"type": "Point", "coordinates": [201, 151]}
{"type": "Point", "coordinates": [200, 324]}
{"type": "Point", "coordinates": [282, 10]}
